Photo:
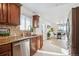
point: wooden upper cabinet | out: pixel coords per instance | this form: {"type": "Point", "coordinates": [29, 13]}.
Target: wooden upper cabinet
{"type": "Point", "coordinates": [14, 14]}
{"type": "Point", "coordinates": [10, 13]}
{"type": "Point", "coordinates": [3, 13]}
{"type": "Point", "coordinates": [35, 21]}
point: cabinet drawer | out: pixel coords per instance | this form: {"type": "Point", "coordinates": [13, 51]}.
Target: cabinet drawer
{"type": "Point", "coordinates": [5, 47]}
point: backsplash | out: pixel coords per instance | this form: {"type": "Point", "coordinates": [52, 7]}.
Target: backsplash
{"type": "Point", "coordinates": [14, 30]}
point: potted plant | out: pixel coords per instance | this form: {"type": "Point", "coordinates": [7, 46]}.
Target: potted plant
{"type": "Point", "coordinates": [49, 33]}
{"type": "Point", "coordinates": [32, 31]}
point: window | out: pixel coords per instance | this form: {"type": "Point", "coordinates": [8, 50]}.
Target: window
{"type": "Point", "coordinates": [25, 23]}
{"type": "Point", "coordinates": [62, 27]}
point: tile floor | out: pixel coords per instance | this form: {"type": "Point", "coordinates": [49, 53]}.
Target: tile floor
{"type": "Point", "coordinates": [50, 48]}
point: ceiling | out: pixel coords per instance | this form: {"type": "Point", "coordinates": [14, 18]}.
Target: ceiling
{"type": "Point", "coordinates": [42, 7]}
{"type": "Point", "coordinates": [45, 10]}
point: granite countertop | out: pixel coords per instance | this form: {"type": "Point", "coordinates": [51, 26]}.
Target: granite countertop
{"type": "Point", "coordinates": [12, 39]}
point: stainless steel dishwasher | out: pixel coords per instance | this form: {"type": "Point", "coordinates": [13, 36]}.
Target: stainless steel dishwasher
{"type": "Point", "coordinates": [21, 48]}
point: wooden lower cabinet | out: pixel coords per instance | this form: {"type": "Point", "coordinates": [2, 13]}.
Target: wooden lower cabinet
{"type": "Point", "coordinates": [39, 42]}
{"type": "Point", "coordinates": [33, 47]}
{"type": "Point", "coordinates": [36, 43]}
{"type": "Point", "coordinates": [6, 50]}
{"type": "Point", "coordinates": [6, 53]}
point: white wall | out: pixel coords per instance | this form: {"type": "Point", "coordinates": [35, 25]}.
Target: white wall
{"type": "Point", "coordinates": [26, 11]}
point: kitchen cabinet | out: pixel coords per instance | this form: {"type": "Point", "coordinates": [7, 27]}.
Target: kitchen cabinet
{"type": "Point", "coordinates": [35, 21]}
{"type": "Point", "coordinates": [75, 32]}
{"type": "Point", "coordinates": [6, 50]}
{"type": "Point", "coordinates": [3, 13]}
{"type": "Point", "coordinates": [10, 13]}
{"type": "Point", "coordinates": [33, 46]}
{"type": "Point", "coordinates": [6, 53]}
{"type": "Point", "coordinates": [24, 47]}
{"type": "Point", "coordinates": [36, 43]}
{"type": "Point", "coordinates": [39, 42]}
{"type": "Point", "coordinates": [14, 14]}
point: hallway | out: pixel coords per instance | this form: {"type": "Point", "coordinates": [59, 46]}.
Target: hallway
{"type": "Point", "coordinates": [50, 49]}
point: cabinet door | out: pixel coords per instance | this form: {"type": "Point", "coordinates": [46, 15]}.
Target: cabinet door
{"type": "Point", "coordinates": [73, 46]}
{"type": "Point", "coordinates": [38, 42]}
{"type": "Point", "coordinates": [6, 50]}
{"type": "Point", "coordinates": [33, 46]}
{"type": "Point", "coordinates": [14, 14]}
{"type": "Point", "coordinates": [3, 13]}
{"type": "Point", "coordinates": [6, 53]}
{"type": "Point", "coordinates": [35, 21]}
{"type": "Point", "coordinates": [41, 41]}
{"type": "Point", "coordinates": [75, 32]}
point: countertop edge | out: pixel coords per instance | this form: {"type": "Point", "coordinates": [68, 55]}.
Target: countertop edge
{"type": "Point", "coordinates": [17, 39]}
